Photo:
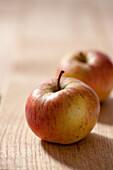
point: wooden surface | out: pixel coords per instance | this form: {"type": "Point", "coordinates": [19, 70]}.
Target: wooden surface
{"type": "Point", "coordinates": [33, 37]}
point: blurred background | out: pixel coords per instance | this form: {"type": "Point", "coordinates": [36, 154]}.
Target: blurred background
{"type": "Point", "coordinates": [35, 34]}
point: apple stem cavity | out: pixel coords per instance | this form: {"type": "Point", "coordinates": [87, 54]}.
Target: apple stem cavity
{"type": "Point", "coordinates": [59, 77]}
{"type": "Point", "coordinates": [82, 57]}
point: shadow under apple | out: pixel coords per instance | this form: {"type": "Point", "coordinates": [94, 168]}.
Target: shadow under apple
{"type": "Point", "coordinates": [106, 112]}
{"type": "Point", "coordinates": [93, 152]}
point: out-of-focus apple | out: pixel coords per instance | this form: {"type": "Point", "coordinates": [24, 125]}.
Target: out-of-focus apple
{"type": "Point", "coordinates": [92, 67]}
{"type": "Point", "coordinates": [62, 111]}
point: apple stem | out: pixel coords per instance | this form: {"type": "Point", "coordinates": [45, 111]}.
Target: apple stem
{"type": "Point", "coordinates": [59, 88]}
{"type": "Point", "coordinates": [83, 58]}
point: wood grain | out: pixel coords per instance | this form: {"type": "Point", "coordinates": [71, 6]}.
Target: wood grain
{"type": "Point", "coordinates": [33, 37]}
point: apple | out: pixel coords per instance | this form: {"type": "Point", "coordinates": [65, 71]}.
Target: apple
{"type": "Point", "coordinates": [62, 110]}
{"type": "Point", "coordinates": [92, 67]}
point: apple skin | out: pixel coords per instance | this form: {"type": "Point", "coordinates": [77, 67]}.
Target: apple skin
{"type": "Point", "coordinates": [64, 116]}
{"type": "Point", "coordinates": [97, 71]}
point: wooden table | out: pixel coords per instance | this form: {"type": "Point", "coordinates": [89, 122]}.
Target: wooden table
{"type": "Point", "coordinates": [34, 35]}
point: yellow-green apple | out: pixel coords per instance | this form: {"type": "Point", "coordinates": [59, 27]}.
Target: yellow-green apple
{"type": "Point", "coordinates": [62, 110]}
{"type": "Point", "coordinates": [92, 67]}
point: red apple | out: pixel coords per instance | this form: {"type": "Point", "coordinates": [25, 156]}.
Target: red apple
{"type": "Point", "coordinates": [92, 67]}
{"type": "Point", "coordinates": [62, 111]}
